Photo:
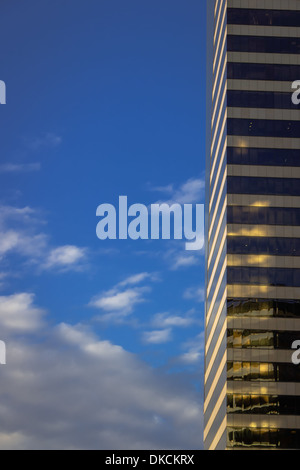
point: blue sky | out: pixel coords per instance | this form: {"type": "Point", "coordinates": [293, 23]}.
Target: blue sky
{"type": "Point", "coordinates": [104, 338]}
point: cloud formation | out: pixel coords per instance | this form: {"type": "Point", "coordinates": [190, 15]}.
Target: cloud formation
{"type": "Point", "coordinates": [189, 192]}
{"type": "Point", "coordinates": [194, 293]}
{"type": "Point", "coordinates": [48, 139]}
{"type": "Point", "coordinates": [18, 314]}
{"type": "Point", "coordinates": [65, 257]}
{"type": "Point", "coordinates": [19, 167]}
{"type": "Point", "coordinates": [75, 391]}
{"type": "Point", "coordinates": [157, 336]}
{"type": "Point", "coordinates": [121, 300]}
{"type": "Point", "coordinates": [20, 234]}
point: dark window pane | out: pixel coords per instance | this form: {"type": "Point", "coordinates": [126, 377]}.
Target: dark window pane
{"type": "Point", "coordinates": [259, 99]}
{"type": "Point", "coordinates": [251, 16]}
{"type": "Point", "coordinates": [263, 308]}
{"type": "Point", "coordinates": [263, 215]}
{"type": "Point", "coordinates": [263, 128]}
{"type": "Point", "coordinates": [265, 44]}
{"type": "Point", "coordinates": [246, 71]}
{"type": "Point", "coordinates": [261, 186]}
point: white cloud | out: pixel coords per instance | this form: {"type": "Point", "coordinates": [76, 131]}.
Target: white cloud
{"type": "Point", "coordinates": [8, 241]}
{"type": "Point", "coordinates": [121, 300]}
{"type": "Point", "coordinates": [169, 189]}
{"type": "Point", "coordinates": [19, 167]}
{"type": "Point", "coordinates": [191, 356]}
{"type": "Point", "coordinates": [157, 336]}
{"type": "Point", "coordinates": [184, 261]}
{"type": "Point", "coordinates": [21, 215]}
{"type": "Point", "coordinates": [163, 320]}
{"type": "Point", "coordinates": [114, 300]}
{"type": "Point", "coordinates": [65, 256]}
{"type": "Point", "coordinates": [49, 139]}
{"type": "Point", "coordinates": [178, 258]}
{"type": "Point", "coordinates": [76, 391]}
{"type": "Point", "coordinates": [81, 336]}
{"type": "Point", "coordinates": [22, 243]}
{"type": "Point", "coordinates": [18, 314]}
{"type": "Point", "coordinates": [189, 192]}
{"type": "Point", "coordinates": [194, 350]}
{"type": "Point", "coordinates": [138, 278]}
{"type": "Point", "coordinates": [19, 234]}
{"type": "Point", "coordinates": [194, 293]}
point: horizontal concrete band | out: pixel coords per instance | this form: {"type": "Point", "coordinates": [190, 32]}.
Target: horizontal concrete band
{"type": "Point", "coordinates": [263, 421]}
{"type": "Point", "coordinates": [260, 355]}
{"type": "Point", "coordinates": [268, 31]}
{"type": "Point", "coordinates": [264, 113]}
{"type": "Point", "coordinates": [254, 200]}
{"type": "Point", "coordinates": [279, 231]}
{"type": "Point", "coordinates": [263, 142]}
{"type": "Point", "coordinates": [260, 85]}
{"type": "Point", "coordinates": [265, 4]}
{"type": "Point", "coordinates": [264, 261]}
{"type": "Point", "coordinates": [262, 323]}
{"type": "Point", "coordinates": [266, 388]}
{"type": "Point", "coordinates": [260, 171]}
{"type": "Point", "coordinates": [263, 58]}
{"type": "Point", "coordinates": [263, 292]}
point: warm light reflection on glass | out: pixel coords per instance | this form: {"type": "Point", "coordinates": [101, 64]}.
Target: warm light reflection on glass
{"type": "Point", "coordinates": [261, 204]}
{"type": "Point", "coordinates": [258, 259]}
{"type": "Point", "coordinates": [242, 143]}
{"type": "Point", "coordinates": [238, 290]}
{"type": "Point", "coordinates": [264, 369]}
{"type": "Point", "coordinates": [251, 260]}
{"type": "Point", "coordinates": [248, 232]}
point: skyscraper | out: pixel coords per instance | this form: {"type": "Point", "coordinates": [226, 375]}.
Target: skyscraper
{"type": "Point", "coordinates": [252, 388]}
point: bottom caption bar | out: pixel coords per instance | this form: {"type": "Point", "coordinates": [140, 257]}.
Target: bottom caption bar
{"type": "Point", "coordinates": [140, 459]}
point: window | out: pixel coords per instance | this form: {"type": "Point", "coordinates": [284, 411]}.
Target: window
{"type": "Point", "coordinates": [255, 156]}
{"type": "Point", "coordinates": [263, 186]}
{"type": "Point", "coordinates": [249, 16]}
{"type": "Point", "coordinates": [263, 128]}
{"type": "Point", "coordinates": [259, 99]}
{"type": "Point", "coordinates": [263, 215]}
{"type": "Point", "coordinates": [263, 308]}
{"type": "Point", "coordinates": [246, 71]}
{"type": "Point", "coordinates": [279, 45]}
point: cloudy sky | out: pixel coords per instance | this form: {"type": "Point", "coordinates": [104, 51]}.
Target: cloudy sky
{"type": "Point", "coordinates": [104, 338]}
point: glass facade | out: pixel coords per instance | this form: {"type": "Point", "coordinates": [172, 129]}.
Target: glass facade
{"type": "Point", "coordinates": [259, 99]}
{"type": "Point", "coordinates": [252, 387]}
{"type": "Point", "coordinates": [261, 156]}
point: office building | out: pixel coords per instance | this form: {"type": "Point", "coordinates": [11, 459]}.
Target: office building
{"type": "Point", "coordinates": [252, 387]}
